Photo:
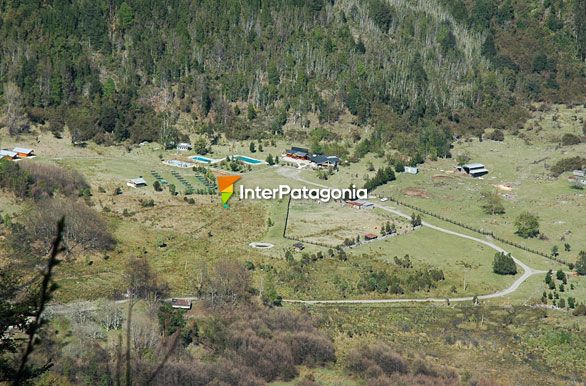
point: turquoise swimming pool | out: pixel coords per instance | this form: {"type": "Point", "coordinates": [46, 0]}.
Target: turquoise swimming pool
{"type": "Point", "coordinates": [202, 159]}
{"type": "Point", "coordinates": [248, 160]}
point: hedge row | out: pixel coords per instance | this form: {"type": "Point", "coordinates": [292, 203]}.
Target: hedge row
{"type": "Point", "coordinates": [480, 231]}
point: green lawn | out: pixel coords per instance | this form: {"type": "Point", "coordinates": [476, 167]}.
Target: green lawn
{"type": "Point", "coordinates": [467, 265]}
{"type": "Point", "coordinates": [331, 223]}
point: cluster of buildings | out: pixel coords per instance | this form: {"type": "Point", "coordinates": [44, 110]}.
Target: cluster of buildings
{"type": "Point", "coordinates": [16, 153]}
{"type": "Point", "coordinates": [302, 155]}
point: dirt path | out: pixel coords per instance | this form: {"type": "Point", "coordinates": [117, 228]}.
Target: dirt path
{"type": "Point", "coordinates": [294, 174]}
{"type": "Point", "coordinates": [527, 270]}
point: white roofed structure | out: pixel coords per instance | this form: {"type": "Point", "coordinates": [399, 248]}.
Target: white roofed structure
{"type": "Point", "coordinates": [22, 150]}
{"type": "Point", "coordinates": [8, 154]}
{"type": "Point", "coordinates": [136, 182]}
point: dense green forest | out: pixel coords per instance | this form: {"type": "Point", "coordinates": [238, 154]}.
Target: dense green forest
{"type": "Point", "coordinates": [112, 70]}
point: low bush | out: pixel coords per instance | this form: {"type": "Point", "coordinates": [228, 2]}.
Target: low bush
{"type": "Point", "coordinates": [567, 165]}
{"type": "Point", "coordinates": [375, 360]}
{"type": "Point", "coordinates": [570, 139]}
{"type": "Point", "coordinates": [378, 364]}
{"type": "Point", "coordinates": [497, 135]}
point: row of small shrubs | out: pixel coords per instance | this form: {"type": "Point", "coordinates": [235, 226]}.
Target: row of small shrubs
{"type": "Point", "coordinates": [308, 242]}
{"type": "Point", "coordinates": [482, 232]}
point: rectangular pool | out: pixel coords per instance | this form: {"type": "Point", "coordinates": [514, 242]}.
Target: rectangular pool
{"type": "Point", "coordinates": [178, 164]}
{"type": "Point", "coordinates": [202, 159]}
{"type": "Point", "coordinates": [248, 160]}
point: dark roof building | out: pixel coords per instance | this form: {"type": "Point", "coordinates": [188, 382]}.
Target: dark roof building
{"type": "Point", "coordinates": [475, 169]}
{"type": "Point", "coordinates": [184, 304]}
{"type": "Point", "coordinates": [320, 160]}
{"type": "Point", "coordinates": [370, 236]}
{"type": "Point", "coordinates": [324, 160]}
{"type": "Point", "coordinates": [299, 246]}
{"type": "Point", "coordinates": [298, 152]}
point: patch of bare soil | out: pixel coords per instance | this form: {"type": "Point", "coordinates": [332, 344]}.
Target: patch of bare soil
{"type": "Point", "coordinates": [504, 187]}
{"type": "Point", "coordinates": [416, 192]}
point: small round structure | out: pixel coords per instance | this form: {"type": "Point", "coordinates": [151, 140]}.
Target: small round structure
{"type": "Point", "coordinates": [261, 245]}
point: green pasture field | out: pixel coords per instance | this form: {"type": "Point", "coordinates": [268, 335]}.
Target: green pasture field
{"type": "Point", "coordinates": [179, 263]}
{"type": "Point", "coordinates": [195, 236]}
{"type": "Point", "coordinates": [517, 172]}
{"type": "Point", "coordinates": [467, 265]}
{"type": "Point", "coordinates": [512, 163]}
{"type": "Point", "coordinates": [331, 223]}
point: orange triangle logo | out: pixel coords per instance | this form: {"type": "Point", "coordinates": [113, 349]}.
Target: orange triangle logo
{"type": "Point", "coordinates": [225, 183]}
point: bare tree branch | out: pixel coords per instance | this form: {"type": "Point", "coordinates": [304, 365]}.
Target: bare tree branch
{"type": "Point", "coordinates": [47, 288]}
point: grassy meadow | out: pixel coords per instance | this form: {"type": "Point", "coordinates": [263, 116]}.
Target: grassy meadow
{"type": "Point", "coordinates": [517, 173]}
{"type": "Point", "coordinates": [332, 223]}
{"type": "Point", "coordinates": [181, 239]}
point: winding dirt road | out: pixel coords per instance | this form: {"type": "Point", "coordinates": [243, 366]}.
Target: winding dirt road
{"type": "Point", "coordinates": [527, 270]}
{"type": "Point", "coordinates": [294, 174]}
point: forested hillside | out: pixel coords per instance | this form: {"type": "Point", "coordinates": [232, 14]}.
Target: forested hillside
{"type": "Point", "coordinates": [113, 70]}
